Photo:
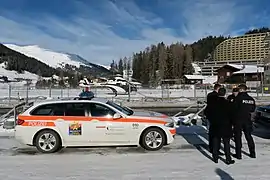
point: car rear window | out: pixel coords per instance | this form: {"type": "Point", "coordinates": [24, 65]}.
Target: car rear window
{"type": "Point", "coordinates": [60, 109]}
{"type": "Point", "coordinates": [49, 110]}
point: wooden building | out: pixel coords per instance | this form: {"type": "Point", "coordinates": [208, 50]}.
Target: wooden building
{"type": "Point", "coordinates": [193, 79]}
{"type": "Point", "coordinates": [235, 74]}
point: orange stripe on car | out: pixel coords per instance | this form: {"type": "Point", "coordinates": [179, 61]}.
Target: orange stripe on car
{"type": "Point", "coordinates": [38, 123]}
{"type": "Point", "coordinates": [76, 118]}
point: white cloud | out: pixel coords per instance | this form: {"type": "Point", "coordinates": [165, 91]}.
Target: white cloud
{"type": "Point", "coordinates": [95, 38]}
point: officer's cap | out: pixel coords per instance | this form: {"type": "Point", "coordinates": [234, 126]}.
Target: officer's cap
{"type": "Point", "coordinates": [243, 87]}
{"type": "Point", "coordinates": [235, 89]}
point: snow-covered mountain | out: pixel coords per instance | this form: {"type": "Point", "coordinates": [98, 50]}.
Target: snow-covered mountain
{"type": "Point", "coordinates": [19, 63]}
{"type": "Point", "coordinates": [51, 58]}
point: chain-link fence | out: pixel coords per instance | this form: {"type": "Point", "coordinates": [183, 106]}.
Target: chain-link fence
{"type": "Point", "coordinates": [165, 92]}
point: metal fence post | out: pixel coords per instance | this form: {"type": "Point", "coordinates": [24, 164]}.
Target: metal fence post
{"type": "Point", "coordinates": [50, 91]}
{"type": "Point", "coordinates": [27, 85]}
{"type": "Point", "coordinates": [205, 91]}
{"type": "Point", "coordinates": [195, 91]}
{"type": "Point", "coordinates": [9, 93]}
{"type": "Point", "coordinates": [61, 91]}
{"type": "Point", "coordinates": [15, 119]}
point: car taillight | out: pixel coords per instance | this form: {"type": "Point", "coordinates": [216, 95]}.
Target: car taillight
{"type": "Point", "coordinates": [20, 122]}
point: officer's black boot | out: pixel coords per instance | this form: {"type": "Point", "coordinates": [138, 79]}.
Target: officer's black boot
{"type": "Point", "coordinates": [237, 156]}
{"type": "Point", "coordinates": [252, 155]}
{"type": "Point", "coordinates": [229, 161]}
{"type": "Point", "coordinates": [215, 159]}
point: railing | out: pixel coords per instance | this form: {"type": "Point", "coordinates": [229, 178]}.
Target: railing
{"type": "Point", "coordinates": [13, 112]}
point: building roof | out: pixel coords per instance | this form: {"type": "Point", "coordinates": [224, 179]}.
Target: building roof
{"type": "Point", "coordinates": [194, 77]}
{"type": "Point", "coordinates": [250, 69]}
{"type": "Point", "coordinates": [236, 66]}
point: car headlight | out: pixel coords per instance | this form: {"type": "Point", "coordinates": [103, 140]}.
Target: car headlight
{"type": "Point", "coordinates": [170, 124]}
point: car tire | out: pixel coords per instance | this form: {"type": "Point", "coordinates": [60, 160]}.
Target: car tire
{"type": "Point", "coordinates": [48, 141]}
{"type": "Point", "coordinates": [154, 144]}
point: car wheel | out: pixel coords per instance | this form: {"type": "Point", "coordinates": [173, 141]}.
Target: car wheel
{"type": "Point", "coordinates": [48, 141]}
{"type": "Point", "coordinates": [153, 139]}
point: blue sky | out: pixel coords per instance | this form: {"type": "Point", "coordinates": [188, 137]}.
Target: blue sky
{"type": "Point", "coordinates": [102, 30]}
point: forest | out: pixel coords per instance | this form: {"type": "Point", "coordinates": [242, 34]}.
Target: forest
{"type": "Point", "coordinates": [171, 61]}
{"type": "Point", "coordinates": [162, 61]}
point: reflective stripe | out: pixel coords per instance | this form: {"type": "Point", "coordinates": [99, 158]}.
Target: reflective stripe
{"type": "Point", "coordinates": [38, 123]}
{"type": "Point", "coordinates": [83, 118]}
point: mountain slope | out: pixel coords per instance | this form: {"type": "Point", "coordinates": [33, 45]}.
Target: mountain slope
{"type": "Point", "coordinates": [19, 62]}
{"type": "Point", "coordinates": [62, 61]}
{"type": "Point", "coordinates": [53, 59]}
{"type": "Point", "coordinates": [79, 59]}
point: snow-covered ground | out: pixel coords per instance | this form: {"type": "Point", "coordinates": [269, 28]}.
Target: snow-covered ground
{"type": "Point", "coordinates": [185, 159]}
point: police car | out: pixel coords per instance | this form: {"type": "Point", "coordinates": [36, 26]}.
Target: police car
{"type": "Point", "coordinates": [53, 125]}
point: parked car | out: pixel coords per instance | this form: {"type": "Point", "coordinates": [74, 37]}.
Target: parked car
{"type": "Point", "coordinates": [262, 115]}
{"type": "Point", "coordinates": [98, 122]}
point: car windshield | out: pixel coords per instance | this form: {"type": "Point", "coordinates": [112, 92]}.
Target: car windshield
{"type": "Point", "coordinates": [124, 110]}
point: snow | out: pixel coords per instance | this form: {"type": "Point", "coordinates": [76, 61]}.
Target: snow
{"type": "Point", "coordinates": [12, 75]}
{"type": "Point", "coordinates": [194, 77]}
{"type": "Point", "coordinates": [51, 58]}
{"type": "Point", "coordinates": [250, 69]}
{"type": "Point", "coordinates": [196, 68]}
{"type": "Point", "coordinates": [107, 67]}
{"type": "Point", "coordinates": [237, 66]}
{"type": "Point", "coordinates": [210, 79]}
{"type": "Point", "coordinates": [186, 158]}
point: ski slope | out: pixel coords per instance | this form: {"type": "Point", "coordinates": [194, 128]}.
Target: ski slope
{"type": "Point", "coordinates": [51, 58]}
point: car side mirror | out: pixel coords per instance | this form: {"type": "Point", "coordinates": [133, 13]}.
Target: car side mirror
{"type": "Point", "coordinates": [117, 116]}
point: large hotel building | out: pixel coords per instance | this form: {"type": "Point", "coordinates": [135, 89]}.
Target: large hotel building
{"type": "Point", "coordinates": [246, 49]}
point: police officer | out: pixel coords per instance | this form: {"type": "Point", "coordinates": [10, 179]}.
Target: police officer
{"type": "Point", "coordinates": [232, 96]}
{"type": "Point", "coordinates": [86, 94]}
{"type": "Point", "coordinates": [222, 127]}
{"type": "Point", "coordinates": [231, 99]}
{"type": "Point", "coordinates": [244, 105]}
{"type": "Point", "coordinates": [209, 112]}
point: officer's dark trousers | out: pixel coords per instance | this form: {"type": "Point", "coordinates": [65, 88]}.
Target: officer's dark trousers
{"type": "Point", "coordinates": [210, 138]}
{"type": "Point", "coordinates": [247, 129]}
{"type": "Point", "coordinates": [216, 147]}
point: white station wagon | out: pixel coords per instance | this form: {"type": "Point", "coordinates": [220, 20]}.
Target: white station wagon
{"type": "Point", "coordinates": [53, 125]}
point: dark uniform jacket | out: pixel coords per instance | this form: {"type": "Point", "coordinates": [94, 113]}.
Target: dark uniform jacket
{"type": "Point", "coordinates": [243, 106]}
{"type": "Point", "coordinates": [221, 123]}
{"type": "Point", "coordinates": [231, 98]}
{"type": "Point", "coordinates": [211, 102]}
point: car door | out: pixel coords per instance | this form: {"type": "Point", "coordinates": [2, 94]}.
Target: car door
{"type": "Point", "coordinates": [107, 130]}
{"type": "Point", "coordinates": [73, 124]}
